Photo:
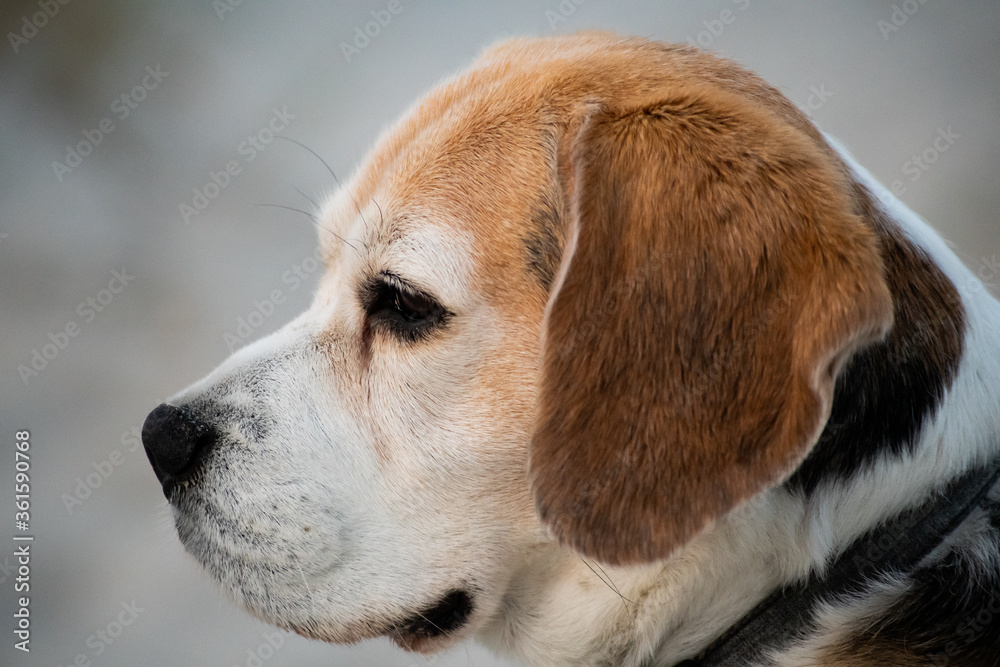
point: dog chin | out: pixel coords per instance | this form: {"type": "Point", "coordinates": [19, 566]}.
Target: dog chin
{"type": "Point", "coordinates": [428, 629]}
{"type": "Point", "coordinates": [285, 604]}
{"type": "Point", "coordinates": [401, 632]}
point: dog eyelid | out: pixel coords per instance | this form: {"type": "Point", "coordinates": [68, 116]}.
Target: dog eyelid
{"type": "Point", "coordinates": [403, 310]}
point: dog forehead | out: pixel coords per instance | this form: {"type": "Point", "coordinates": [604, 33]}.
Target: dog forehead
{"type": "Point", "coordinates": [454, 189]}
{"type": "Point", "coordinates": [478, 155]}
{"type": "Point", "coordinates": [481, 152]}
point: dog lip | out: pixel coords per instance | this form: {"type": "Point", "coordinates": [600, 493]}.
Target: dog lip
{"type": "Point", "coordinates": [446, 616]}
{"type": "Point", "coordinates": [174, 486]}
{"type": "Point", "coordinates": [168, 484]}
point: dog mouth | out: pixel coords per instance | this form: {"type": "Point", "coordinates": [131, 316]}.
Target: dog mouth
{"type": "Point", "coordinates": [174, 486]}
{"type": "Point", "coordinates": [431, 628]}
{"type": "Point", "coordinates": [420, 630]}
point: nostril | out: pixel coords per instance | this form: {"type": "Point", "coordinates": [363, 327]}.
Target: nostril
{"type": "Point", "coordinates": [173, 439]}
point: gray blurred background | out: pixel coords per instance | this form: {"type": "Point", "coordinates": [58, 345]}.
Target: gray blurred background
{"type": "Point", "coordinates": [885, 78]}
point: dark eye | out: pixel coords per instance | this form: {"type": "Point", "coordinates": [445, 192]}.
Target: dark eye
{"type": "Point", "coordinates": [402, 310]}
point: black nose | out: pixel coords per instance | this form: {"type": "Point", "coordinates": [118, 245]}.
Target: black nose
{"type": "Point", "coordinates": [174, 439]}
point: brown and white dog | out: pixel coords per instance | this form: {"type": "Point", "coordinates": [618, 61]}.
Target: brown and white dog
{"type": "Point", "coordinates": [612, 344]}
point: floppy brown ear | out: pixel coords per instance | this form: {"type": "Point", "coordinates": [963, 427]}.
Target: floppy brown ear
{"type": "Point", "coordinates": [713, 283]}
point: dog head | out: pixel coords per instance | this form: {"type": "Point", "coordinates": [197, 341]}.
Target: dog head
{"type": "Point", "coordinates": [593, 293]}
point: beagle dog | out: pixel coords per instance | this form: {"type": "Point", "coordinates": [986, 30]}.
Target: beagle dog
{"type": "Point", "coordinates": [614, 355]}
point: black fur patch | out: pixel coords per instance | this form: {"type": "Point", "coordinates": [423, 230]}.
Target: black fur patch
{"type": "Point", "coordinates": [447, 615]}
{"type": "Point", "coordinates": [950, 615]}
{"type": "Point", "coordinates": [888, 390]}
{"type": "Point", "coordinates": [542, 244]}
{"type": "Point", "coordinates": [993, 512]}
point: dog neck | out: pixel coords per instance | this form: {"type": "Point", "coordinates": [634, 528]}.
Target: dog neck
{"type": "Point", "coordinates": [897, 547]}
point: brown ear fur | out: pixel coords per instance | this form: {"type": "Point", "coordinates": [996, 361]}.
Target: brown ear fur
{"type": "Point", "coordinates": [713, 284]}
